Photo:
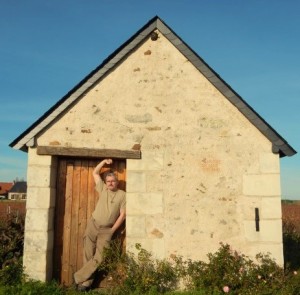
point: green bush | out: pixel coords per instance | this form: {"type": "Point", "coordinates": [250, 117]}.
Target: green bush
{"type": "Point", "coordinates": [11, 250]}
{"type": "Point", "coordinates": [226, 271]}
{"type": "Point", "coordinates": [138, 275]}
{"type": "Point", "coordinates": [291, 245]}
{"type": "Point", "coordinates": [229, 270]}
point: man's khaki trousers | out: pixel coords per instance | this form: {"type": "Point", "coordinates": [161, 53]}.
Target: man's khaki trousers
{"type": "Point", "coordinates": [94, 241]}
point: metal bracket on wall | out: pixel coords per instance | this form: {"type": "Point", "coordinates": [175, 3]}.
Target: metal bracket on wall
{"type": "Point", "coordinates": [257, 219]}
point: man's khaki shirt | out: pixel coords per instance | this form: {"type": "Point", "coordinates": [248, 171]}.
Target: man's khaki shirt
{"type": "Point", "coordinates": [109, 205]}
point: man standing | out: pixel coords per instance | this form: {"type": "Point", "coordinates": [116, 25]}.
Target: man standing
{"type": "Point", "coordinates": [109, 214]}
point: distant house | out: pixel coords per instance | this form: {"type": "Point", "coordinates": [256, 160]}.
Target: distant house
{"type": "Point", "coordinates": [4, 189]}
{"type": "Point", "coordinates": [18, 191]}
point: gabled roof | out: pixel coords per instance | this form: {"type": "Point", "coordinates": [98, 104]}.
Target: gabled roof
{"type": "Point", "coordinates": [19, 187]}
{"type": "Point", "coordinates": [27, 138]}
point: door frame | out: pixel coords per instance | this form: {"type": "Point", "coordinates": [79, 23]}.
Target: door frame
{"type": "Point", "coordinates": [75, 201]}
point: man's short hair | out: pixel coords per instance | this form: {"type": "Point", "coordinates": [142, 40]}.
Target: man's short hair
{"type": "Point", "coordinates": [111, 174]}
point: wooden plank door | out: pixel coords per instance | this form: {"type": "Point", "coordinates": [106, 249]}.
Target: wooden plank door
{"type": "Point", "coordinates": [75, 201]}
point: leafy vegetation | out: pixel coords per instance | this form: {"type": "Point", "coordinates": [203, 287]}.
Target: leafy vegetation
{"type": "Point", "coordinates": [291, 234]}
{"type": "Point", "coordinates": [11, 249]}
{"type": "Point", "coordinates": [225, 271]}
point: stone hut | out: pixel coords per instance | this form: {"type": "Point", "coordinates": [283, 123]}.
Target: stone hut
{"type": "Point", "coordinates": [199, 165]}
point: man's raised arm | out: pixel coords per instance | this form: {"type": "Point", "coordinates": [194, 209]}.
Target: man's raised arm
{"type": "Point", "coordinates": [96, 171]}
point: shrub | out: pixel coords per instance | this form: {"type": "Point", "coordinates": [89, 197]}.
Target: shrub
{"type": "Point", "coordinates": [291, 245]}
{"type": "Point", "coordinates": [11, 250]}
{"type": "Point", "coordinates": [138, 275]}
{"type": "Point", "coordinates": [226, 271]}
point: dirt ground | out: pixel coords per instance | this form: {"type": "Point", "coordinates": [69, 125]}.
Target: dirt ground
{"type": "Point", "coordinates": [12, 208]}
{"type": "Point", "coordinates": [291, 214]}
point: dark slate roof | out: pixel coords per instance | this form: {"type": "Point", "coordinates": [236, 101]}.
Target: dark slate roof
{"type": "Point", "coordinates": [19, 187]}
{"type": "Point", "coordinates": [27, 138]}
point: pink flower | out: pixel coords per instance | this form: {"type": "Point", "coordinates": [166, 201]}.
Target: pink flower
{"type": "Point", "coordinates": [226, 289]}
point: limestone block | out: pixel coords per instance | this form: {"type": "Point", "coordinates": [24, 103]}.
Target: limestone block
{"type": "Point", "coordinates": [155, 233]}
{"type": "Point", "coordinates": [271, 208]}
{"type": "Point", "coordinates": [36, 241]}
{"type": "Point", "coordinates": [250, 232]}
{"type": "Point", "coordinates": [248, 205]}
{"type": "Point", "coordinates": [40, 197]}
{"type": "Point", "coordinates": [35, 159]}
{"type": "Point", "coordinates": [154, 181]}
{"type": "Point", "coordinates": [269, 163]}
{"type": "Point", "coordinates": [39, 219]}
{"type": "Point", "coordinates": [149, 161]}
{"type": "Point", "coordinates": [144, 203]}
{"type": "Point", "coordinates": [261, 185]}
{"type": "Point", "coordinates": [34, 275]}
{"type": "Point", "coordinates": [135, 226]}
{"type": "Point", "coordinates": [41, 176]}
{"type": "Point", "coordinates": [135, 182]}
{"type": "Point", "coordinates": [155, 226]}
{"type": "Point", "coordinates": [38, 266]}
{"type": "Point", "coordinates": [269, 231]}
{"type": "Point", "coordinates": [275, 250]}
{"type": "Point", "coordinates": [155, 246]}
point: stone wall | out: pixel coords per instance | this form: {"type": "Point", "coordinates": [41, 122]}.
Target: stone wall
{"type": "Point", "coordinates": [39, 232]}
{"type": "Point", "coordinates": [204, 167]}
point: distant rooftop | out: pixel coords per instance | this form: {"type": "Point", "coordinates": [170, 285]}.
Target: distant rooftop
{"type": "Point", "coordinates": [19, 187]}
{"type": "Point", "coordinates": [5, 187]}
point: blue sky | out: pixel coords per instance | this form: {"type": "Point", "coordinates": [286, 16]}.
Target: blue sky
{"type": "Point", "coordinates": [47, 47]}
